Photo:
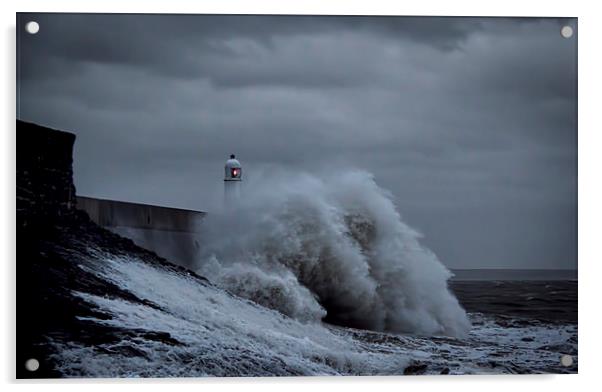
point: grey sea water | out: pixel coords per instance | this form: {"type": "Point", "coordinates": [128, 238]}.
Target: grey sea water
{"type": "Point", "coordinates": [546, 301]}
{"type": "Point", "coordinates": [514, 274]}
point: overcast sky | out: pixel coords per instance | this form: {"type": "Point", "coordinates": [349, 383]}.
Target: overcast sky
{"type": "Point", "coordinates": [469, 122]}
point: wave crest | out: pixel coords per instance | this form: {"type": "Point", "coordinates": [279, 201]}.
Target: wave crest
{"type": "Point", "coordinates": [330, 248]}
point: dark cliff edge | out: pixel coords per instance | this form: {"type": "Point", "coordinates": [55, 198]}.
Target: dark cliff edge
{"type": "Point", "coordinates": [54, 240]}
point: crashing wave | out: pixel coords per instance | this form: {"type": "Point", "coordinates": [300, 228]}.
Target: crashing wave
{"type": "Point", "coordinates": [330, 248]}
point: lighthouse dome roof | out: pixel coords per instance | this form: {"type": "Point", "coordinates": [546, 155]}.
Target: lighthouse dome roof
{"type": "Point", "coordinates": [233, 163]}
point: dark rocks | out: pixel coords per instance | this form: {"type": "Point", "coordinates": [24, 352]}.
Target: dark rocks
{"type": "Point", "coordinates": [416, 368]}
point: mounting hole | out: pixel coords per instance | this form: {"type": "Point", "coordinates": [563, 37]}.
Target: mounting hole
{"type": "Point", "coordinates": [566, 31]}
{"type": "Point", "coordinates": [32, 364]}
{"type": "Point", "coordinates": [566, 360]}
{"type": "Point", "coordinates": [32, 27]}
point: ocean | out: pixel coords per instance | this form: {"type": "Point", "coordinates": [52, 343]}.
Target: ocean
{"type": "Point", "coordinates": [514, 274]}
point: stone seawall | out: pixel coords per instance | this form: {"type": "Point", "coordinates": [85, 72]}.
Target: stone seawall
{"type": "Point", "coordinates": [172, 233]}
{"type": "Point", "coordinates": [112, 213]}
{"type": "Point", "coordinates": [44, 177]}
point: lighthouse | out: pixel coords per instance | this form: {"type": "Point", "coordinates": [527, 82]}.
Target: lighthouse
{"type": "Point", "coordinates": [232, 180]}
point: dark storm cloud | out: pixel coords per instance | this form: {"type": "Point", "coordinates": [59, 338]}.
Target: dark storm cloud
{"type": "Point", "coordinates": [191, 46]}
{"type": "Point", "coordinates": [470, 122]}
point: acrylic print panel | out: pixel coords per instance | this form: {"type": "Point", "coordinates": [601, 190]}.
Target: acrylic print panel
{"type": "Point", "coordinates": [235, 195]}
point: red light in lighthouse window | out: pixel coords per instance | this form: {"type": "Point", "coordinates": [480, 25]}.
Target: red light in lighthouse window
{"type": "Point", "coordinates": [234, 173]}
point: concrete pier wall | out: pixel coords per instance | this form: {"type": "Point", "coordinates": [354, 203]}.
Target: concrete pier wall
{"type": "Point", "coordinates": [172, 233]}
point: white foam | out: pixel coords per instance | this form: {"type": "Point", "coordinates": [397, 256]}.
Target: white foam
{"type": "Point", "coordinates": [221, 335]}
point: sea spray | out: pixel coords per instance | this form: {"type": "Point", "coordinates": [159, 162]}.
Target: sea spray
{"type": "Point", "coordinates": [331, 247]}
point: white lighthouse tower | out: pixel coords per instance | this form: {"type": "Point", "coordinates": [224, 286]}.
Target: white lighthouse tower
{"type": "Point", "coordinates": [232, 180]}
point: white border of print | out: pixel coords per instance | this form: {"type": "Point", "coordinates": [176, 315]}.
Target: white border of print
{"type": "Point", "coordinates": [590, 189]}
